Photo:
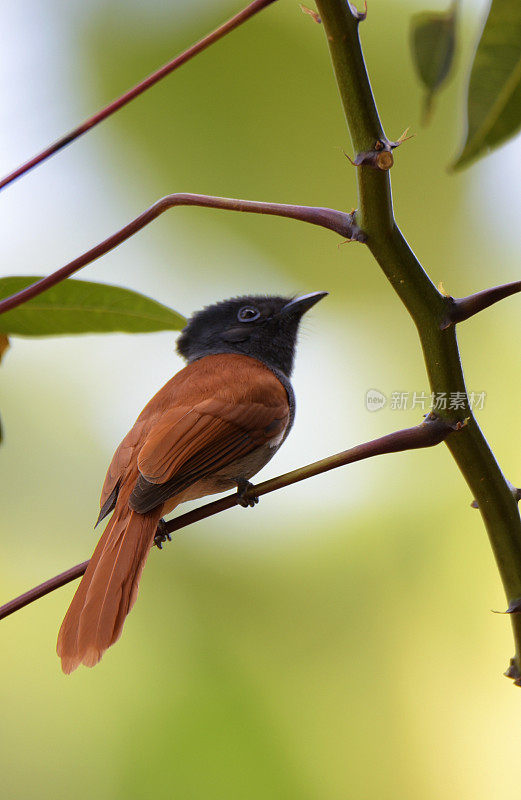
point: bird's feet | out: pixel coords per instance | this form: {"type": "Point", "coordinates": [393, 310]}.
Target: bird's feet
{"type": "Point", "coordinates": [245, 497]}
{"type": "Point", "coordinates": [162, 535]}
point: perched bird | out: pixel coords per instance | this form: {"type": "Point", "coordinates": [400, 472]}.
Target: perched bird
{"type": "Point", "coordinates": [214, 425]}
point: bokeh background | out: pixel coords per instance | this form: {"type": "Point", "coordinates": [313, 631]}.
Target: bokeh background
{"type": "Point", "coordinates": [338, 641]}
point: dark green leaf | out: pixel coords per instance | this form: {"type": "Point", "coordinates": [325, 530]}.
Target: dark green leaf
{"type": "Point", "coordinates": [84, 307]}
{"type": "Point", "coordinates": [433, 40]}
{"type": "Point", "coordinates": [494, 92]}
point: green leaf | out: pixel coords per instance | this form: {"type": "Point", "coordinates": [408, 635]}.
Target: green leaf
{"type": "Point", "coordinates": [84, 307]}
{"type": "Point", "coordinates": [433, 41]}
{"type": "Point", "coordinates": [494, 92]}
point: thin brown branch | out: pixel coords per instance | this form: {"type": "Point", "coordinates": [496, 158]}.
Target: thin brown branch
{"type": "Point", "coordinates": [465, 307]}
{"type": "Point", "coordinates": [338, 221]}
{"type": "Point", "coordinates": [115, 105]}
{"type": "Point", "coordinates": [44, 588]}
{"type": "Point", "coordinates": [429, 433]}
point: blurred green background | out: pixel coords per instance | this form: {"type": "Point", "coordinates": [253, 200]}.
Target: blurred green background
{"type": "Point", "coordinates": [338, 641]}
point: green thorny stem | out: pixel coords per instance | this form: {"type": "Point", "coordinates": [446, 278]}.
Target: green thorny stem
{"type": "Point", "coordinates": [427, 306]}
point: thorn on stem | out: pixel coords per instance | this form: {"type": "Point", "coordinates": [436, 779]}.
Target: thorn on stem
{"type": "Point", "coordinates": [353, 232]}
{"type": "Point", "coordinates": [349, 158]}
{"type": "Point", "coordinates": [514, 607]}
{"type": "Point", "coordinates": [513, 672]}
{"type": "Point", "coordinates": [358, 15]}
{"type": "Point", "coordinates": [381, 156]}
{"type": "Point", "coordinates": [313, 14]}
{"type": "Point", "coordinates": [403, 138]}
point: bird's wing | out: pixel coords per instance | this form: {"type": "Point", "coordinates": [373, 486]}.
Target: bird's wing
{"type": "Point", "coordinates": [192, 443]}
{"type": "Point", "coordinates": [119, 464]}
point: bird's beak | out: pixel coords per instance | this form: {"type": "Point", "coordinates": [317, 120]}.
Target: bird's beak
{"type": "Point", "coordinates": [300, 305]}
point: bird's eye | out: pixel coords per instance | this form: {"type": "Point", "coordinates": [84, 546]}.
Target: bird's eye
{"type": "Point", "coordinates": [248, 314]}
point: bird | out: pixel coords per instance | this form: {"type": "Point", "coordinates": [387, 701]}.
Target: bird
{"type": "Point", "coordinates": [210, 429]}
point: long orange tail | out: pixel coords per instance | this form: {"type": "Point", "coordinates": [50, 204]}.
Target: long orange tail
{"type": "Point", "coordinates": [108, 589]}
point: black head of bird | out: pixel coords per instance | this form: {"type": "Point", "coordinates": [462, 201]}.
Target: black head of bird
{"type": "Point", "coordinates": [263, 327]}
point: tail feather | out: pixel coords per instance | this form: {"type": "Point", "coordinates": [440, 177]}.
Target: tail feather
{"type": "Point", "coordinates": [108, 589]}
